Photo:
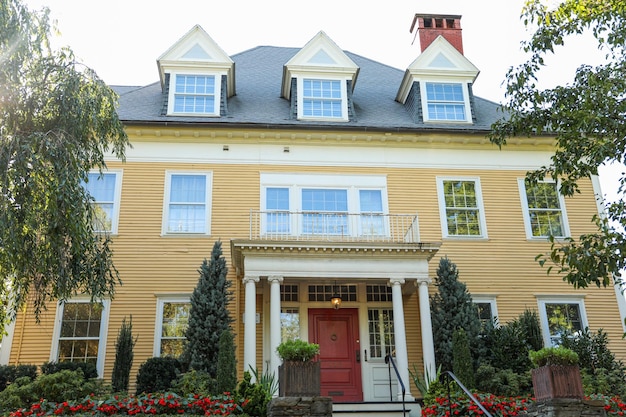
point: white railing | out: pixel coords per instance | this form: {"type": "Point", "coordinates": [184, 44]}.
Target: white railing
{"type": "Point", "coordinates": [334, 226]}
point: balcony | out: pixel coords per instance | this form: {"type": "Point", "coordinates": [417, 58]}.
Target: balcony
{"type": "Point", "coordinates": [333, 226]}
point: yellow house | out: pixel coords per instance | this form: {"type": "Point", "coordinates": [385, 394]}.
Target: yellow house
{"type": "Point", "coordinates": [323, 173]}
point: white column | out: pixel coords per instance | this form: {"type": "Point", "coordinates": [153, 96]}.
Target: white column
{"type": "Point", "coordinates": [428, 346]}
{"type": "Point", "coordinates": [402, 357]}
{"type": "Point", "coordinates": [274, 322]}
{"type": "Point", "coordinates": [249, 317]}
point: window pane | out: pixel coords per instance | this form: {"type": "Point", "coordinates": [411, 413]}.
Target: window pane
{"type": "Point", "coordinates": [289, 324]}
{"type": "Point", "coordinates": [445, 101]}
{"type": "Point", "coordinates": [563, 318]}
{"type": "Point", "coordinates": [187, 208]}
{"type": "Point", "coordinates": [194, 94]}
{"type": "Point", "coordinates": [462, 211]}
{"type": "Point", "coordinates": [80, 332]}
{"type": "Point", "coordinates": [322, 98]}
{"type": "Point", "coordinates": [544, 209]}
{"type": "Point", "coordinates": [102, 189]}
{"type": "Point", "coordinates": [173, 327]}
{"type": "Point", "coordinates": [380, 325]}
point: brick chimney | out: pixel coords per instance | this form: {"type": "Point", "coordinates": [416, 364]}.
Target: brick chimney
{"type": "Point", "coordinates": [430, 26]}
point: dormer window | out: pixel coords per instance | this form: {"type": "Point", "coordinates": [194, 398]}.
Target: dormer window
{"type": "Point", "coordinates": [197, 77]}
{"type": "Point", "coordinates": [323, 98]}
{"type": "Point", "coordinates": [194, 94]}
{"type": "Point", "coordinates": [436, 87]}
{"type": "Point", "coordinates": [445, 101]}
{"type": "Point", "coordinates": [319, 80]}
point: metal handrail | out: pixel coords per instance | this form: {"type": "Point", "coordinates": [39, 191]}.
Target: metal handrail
{"type": "Point", "coordinates": [334, 226]}
{"type": "Point", "coordinates": [388, 361]}
{"type": "Point", "coordinates": [451, 376]}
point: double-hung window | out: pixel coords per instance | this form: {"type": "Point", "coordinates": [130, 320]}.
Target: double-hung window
{"type": "Point", "coordinates": [187, 203]}
{"type": "Point", "coordinates": [105, 189]}
{"type": "Point", "coordinates": [322, 98]}
{"type": "Point", "coordinates": [544, 209]}
{"type": "Point", "coordinates": [310, 205]}
{"type": "Point", "coordinates": [171, 326]}
{"type": "Point", "coordinates": [80, 332]}
{"type": "Point", "coordinates": [487, 310]}
{"type": "Point", "coordinates": [195, 94]}
{"type": "Point", "coordinates": [324, 211]}
{"type": "Point", "coordinates": [561, 317]}
{"type": "Point", "coordinates": [461, 207]}
{"type": "Point", "coordinates": [445, 102]}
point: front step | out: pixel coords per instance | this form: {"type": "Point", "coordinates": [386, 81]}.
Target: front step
{"type": "Point", "coordinates": [377, 409]}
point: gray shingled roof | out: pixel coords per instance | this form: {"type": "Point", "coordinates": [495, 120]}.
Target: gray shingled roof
{"type": "Point", "coordinates": [258, 74]}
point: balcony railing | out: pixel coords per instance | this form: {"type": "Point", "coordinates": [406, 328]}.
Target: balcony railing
{"type": "Point", "coordinates": [334, 226]}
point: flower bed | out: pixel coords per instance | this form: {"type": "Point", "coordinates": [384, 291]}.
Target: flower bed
{"type": "Point", "coordinates": [166, 403]}
{"type": "Point", "coordinates": [463, 406]}
{"type": "Point", "coordinates": [505, 406]}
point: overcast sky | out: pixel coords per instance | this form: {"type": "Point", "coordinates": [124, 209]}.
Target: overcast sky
{"type": "Point", "coordinates": [122, 39]}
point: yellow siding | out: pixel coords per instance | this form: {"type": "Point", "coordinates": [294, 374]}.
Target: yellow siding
{"type": "Point", "coordinates": [150, 265]}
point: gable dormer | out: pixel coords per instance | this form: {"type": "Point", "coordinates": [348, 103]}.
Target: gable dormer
{"type": "Point", "coordinates": [437, 86]}
{"type": "Point", "coordinates": [319, 81]}
{"type": "Point", "coordinates": [197, 76]}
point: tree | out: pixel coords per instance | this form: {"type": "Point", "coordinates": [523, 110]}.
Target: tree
{"type": "Point", "coordinates": [452, 309]}
{"type": "Point", "coordinates": [123, 356]}
{"type": "Point", "coordinates": [462, 359]}
{"type": "Point", "coordinates": [226, 375]}
{"type": "Point", "coordinates": [57, 122]}
{"type": "Point", "coordinates": [208, 316]}
{"type": "Point", "coordinates": [586, 118]}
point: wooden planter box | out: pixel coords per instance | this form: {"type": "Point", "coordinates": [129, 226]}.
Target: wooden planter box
{"type": "Point", "coordinates": [299, 379]}
{"type": "Point", "coordinates": [557, 381]}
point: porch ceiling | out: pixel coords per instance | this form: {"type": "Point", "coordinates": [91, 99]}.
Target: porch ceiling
{"type": "Point", "coordinates": [318, 259]}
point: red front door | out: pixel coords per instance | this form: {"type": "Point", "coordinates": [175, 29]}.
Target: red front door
{"type": "Point", "coordinates": [337, 333]}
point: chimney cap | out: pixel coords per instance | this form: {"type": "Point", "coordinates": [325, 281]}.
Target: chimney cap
{"type": "Point", "coordinates": [432, 16]}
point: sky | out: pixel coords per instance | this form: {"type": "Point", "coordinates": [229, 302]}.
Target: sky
{"type": "Point", "coordinates": [122, 39]}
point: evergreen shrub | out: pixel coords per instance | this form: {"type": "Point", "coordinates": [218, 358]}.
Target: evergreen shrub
{"type": "Point", "coordinates": [9, 373]}
{"type": "Point", "coordinates": [226, 364]}
{"type": "Point", "coordinates": [123, 356]}
{"type": "Point", "coordinates": [195, 382]}
{"type": "Point", "coordinates": [64, 385]}
{"type": "Point", "coordinates": [462, 359]}
{"type": "Point", "coordinates": [257, 395]}
{"type": "Point", "coordinates": [157, 374]}
{"type": "Point", "coordinates": [89, 370]}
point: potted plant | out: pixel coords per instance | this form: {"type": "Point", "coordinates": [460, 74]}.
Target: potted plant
{"type": "Point", "coordinates": [556, 374]}
{"type": "Point", "coordinates": [299, 375]}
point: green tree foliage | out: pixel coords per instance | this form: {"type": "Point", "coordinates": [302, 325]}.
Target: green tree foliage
{"type": "Point", "coordinates": [57, 122]}
{"type": "Point", "coordinates": [226, 364]}
{"type": "Point", "coordinates": [602, 373]}
{"type": "Point", "coordinates": [208, 316]}
{"type": "Point", "coordinates": [123, 356]}
{"type": "Point", "coordinates": [587, 118]}
{"type": "Point", "coordinates": [452, 309]}
{"type": "Point", "coordinates": [462, 364]}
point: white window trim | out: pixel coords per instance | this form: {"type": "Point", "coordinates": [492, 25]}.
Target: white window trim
{"type": "Point", "coordinates": [491, 300]}
{"type": "Point", "coordinates": [117, 200]}
{"type": "Point", "coordinates": [543, 316]}
{"type": "Point", "coordinates": [217, 96]}
{"type": "Point", "coordinates": [158, 325]}
{"type": "Point", "coordinates": [102, 338]}
{"type": "Point", "coordinates": [344, 97]}
{"type": "Point", "coordinates": [442, 208]}
{"type": "Point", "coordinates": [521, 182]}
{"type": "Point", "coordinates": [424, 98]}
{"type": "Point", "coordinates": [208, 203]}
